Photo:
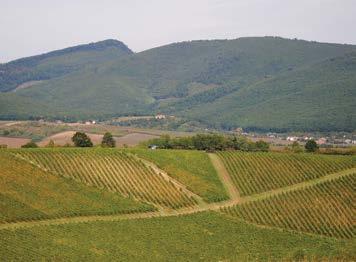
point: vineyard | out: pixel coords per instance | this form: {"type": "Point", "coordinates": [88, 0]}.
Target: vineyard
{"type": "Point", "coordinates": [254, 173]}
{"type": "Point", "coordinates": [101, 204]}
{"type": "Point", "coordinates": [28, 193]}
{"type": "Point", "coordinates": [205, 236]}
{"type": "Point", "coordinates": [113, 170]}
{"type": "Point", "coordinates": [190, 167]}
{"type": "Point", "coordinates": [326, 209]}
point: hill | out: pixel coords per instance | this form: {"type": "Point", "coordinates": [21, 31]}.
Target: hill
{"type": "Point", "coordinates": [327, 204]}
{"type": "Point", "coordinates": [25, 72]}
{"type": "Point", "coordinates": [203, 236]}
{"type": "Point", "coordinates": [30, 193]}
{"type": "Point", "coordinates": [256, 83]}
{"type": "Point", "coordinates": [315, 97]}
{"type": "Point", "coordinates": [68, 203]}
{"type": "Point", "coordinates": [112, 170]}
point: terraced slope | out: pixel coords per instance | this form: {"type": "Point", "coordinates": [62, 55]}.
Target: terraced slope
{"type": "Point", "coordinates": [254, 173]}
{"type": "Point", "coordinates": [112, 170]}
{"type": "Point", "coordinates": [28, 193]}
{"type": "Point", "coordinates": [326, 209]}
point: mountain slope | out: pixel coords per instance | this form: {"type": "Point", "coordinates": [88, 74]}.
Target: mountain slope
{"type": "Point", "coordinates": [57, 63]}
{"type": "Point", "coordinates": [320, 96]}
{"type": "Point", "coordinates": [219, 82]}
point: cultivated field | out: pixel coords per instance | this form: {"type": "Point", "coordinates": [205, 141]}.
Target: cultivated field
{"type": "Point", "coordinates": [254, 173]}
{"type": "Point", "coordinates": [29, 193]}
{"type": "Point", "coordinates": [192, 168]}
{"type": "Point", "coordinates": [13, 142]}
{"type": "Point", "coordinates": [198, 237]}
{"type": "Point", "coordinates": [61, 133]}
{"type": "Point", "coordinates": [64, 138]}
{"type": "Point", "coordinates": [326, 209]}
{"type": "Point", "coordinates": [133, 139]}
{"type": "Point", "coordinates": [113, 170]}
{"type": "Point", "coordinates": [175, 205]}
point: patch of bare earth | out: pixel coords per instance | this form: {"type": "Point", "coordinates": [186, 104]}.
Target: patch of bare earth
{"type": "Point", "coordinates": [133, 139]}
{"type": "Point", "coordinates": [66, 138]}
{"type": "Point", "coordinates": [27, 85]}
{"type": "Point", "coordinates": [13, 142]}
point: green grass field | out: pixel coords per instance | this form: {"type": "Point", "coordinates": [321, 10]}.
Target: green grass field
{"type": "Point", "coordinates": [203, 236]}
{"type": "Point", "coordinates": [192, 168]}
{"type": "Point", "coordinates": [29, 193]}
{"type": "Point", "coordinates": [254, 173]}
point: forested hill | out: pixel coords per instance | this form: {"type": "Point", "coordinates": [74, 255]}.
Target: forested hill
{"type": "Point", "coordinates": [255, 82]}
{"type": "Point", "coordinates": [58, 63]}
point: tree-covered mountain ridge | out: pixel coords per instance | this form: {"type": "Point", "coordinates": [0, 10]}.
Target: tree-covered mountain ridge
{"type": "Point", "coordinates": [268, 83]}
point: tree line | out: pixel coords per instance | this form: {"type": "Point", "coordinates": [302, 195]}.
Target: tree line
{"type": "Point", "coordinates": [208, 142]}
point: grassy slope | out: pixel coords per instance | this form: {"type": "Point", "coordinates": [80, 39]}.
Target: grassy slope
{"type": "Point", "coordinates": [204, 236]}
{"type": "Point", "coordinates": [137, 83]}
{"type": "Point", "coordinates": [192, 168]}
{"type": "Point", "coordinates": [30, 193]}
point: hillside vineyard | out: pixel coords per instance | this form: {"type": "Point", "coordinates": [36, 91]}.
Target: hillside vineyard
{"type": "Point", "coordinates": [112, 170]}
{"type": "Point", "coordinates": [254, 173]}
{"type": "Point", "coordinates": [325, 209]}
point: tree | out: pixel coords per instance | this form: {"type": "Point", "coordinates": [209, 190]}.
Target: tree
{"type": "Point", "coordinates": [108, 140]}
{"type": "Point", "coordinates": [296, 148]}
{"type": "Point", "coordinates": [262, 146]}
{"type": "Point", "coordinates": [311, 146]}
{"type": "Point", "coordinates": [30, 145]}
{"type": "Point", "coordinates": [81, 140]}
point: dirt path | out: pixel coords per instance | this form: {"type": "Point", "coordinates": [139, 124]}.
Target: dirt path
{"type": "Point", "coordinates": [167, 177]}
{"type": "Point", "coordinates": [236, 199]}
{"type": "Point", "coordinates": [225, 177]}
{"type": "Point", "coordinates": [299, 185]}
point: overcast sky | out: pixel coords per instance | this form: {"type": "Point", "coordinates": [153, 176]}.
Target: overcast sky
{"type": "Point", "coordinates": [29, 27]}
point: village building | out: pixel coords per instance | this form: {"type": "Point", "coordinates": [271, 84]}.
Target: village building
{"type": "Point", "coordinates": [160, 116]}
{"type": "Point", "coordinates": [321, 141]}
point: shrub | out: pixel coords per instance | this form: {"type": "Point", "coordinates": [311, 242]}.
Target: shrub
{"type": "Point", "coordinates": [262, 146]}
{"type": "Point", "coordinates": [50, 143]}
{"type": "Point", "coordinates": [30, 145]}
{"type": "Point", "coordinates": [296, 148]}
